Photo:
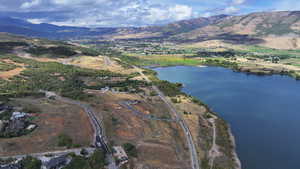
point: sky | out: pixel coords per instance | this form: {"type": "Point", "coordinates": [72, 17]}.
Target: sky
{"type": "Point", "coordinates": [117, 13]}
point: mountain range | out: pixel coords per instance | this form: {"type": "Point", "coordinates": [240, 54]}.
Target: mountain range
{"type": "Point", "coordinates": [272, 29]}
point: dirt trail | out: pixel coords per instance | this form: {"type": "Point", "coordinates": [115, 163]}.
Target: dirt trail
{"type": "Point", "coordinates": [214, 151]}
{"type": "Point", "coordinates": [9, 74]}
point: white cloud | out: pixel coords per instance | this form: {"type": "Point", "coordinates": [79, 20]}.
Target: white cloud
{"type": "Point", "coordinates": [238, 2]}
{"type": "Point", "coordinates": [231, 10]}
{"type": "Point", "coordinates": [207, 14]}
{"type": "Point", "coordinates": [287, 5]}
{"type": "Point", "coordinates": [180, 12]}
{"type": "Point", "coordinates": [30, 4]}
{"type": "Point", "coordinates": [35, 21]}
{"type": "Point", "coordinates": [109, 12]}
{"type": "Point", "coordinates": [176, 12]}
{"type": "Point", "coordinates": [95, 13]}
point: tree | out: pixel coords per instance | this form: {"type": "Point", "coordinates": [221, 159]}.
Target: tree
{"type": "Point", "coordinates": [31, 163]}
{"type": "Point", "coordinates": [130, 149]}
{"type": "Point", "coordinates": [97, 160]}
{"type": "Point", "coordinates": [65, 140]}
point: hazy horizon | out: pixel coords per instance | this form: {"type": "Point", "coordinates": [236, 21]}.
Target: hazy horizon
{"type": "Point", "coordinates": [137, 13]}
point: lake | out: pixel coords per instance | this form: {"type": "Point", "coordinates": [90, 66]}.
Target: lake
{"type": "Point", "coordinates": [263, 111]}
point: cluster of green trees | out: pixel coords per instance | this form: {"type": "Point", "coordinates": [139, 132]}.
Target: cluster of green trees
{"type": "Point", "coordinates": [90, 51]}
{"type": "Point", "coordinates": [221, 63]}
{"type": "Point", "coordinates": [5, 115]}
{"type": "Point", "coordinates": [55, 52]}
{"type": "Point", "coordinates": [6, 47]}
{"type": "Point", "coordinates": [65, 141]}
{"type": "Point", "coordinates": [16, 133]}
{"type": "Point", "coordinates": [95, 161]}
{"type": "Point", "coordinates": [226, 54]}
{"type": "Point", "coordinates": [50, 76]}
{"type": "Point", "coordinates": [130, 149]}
{"type": "Point", "coordinates": [168, 88]}
{"type": "Point", "coordinates": [30, 163]}
{"type": "Point", "coordinates": [123, 86]}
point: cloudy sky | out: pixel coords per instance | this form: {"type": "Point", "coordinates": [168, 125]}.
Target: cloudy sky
{"type": "Point", "coordinates": [111, 13]}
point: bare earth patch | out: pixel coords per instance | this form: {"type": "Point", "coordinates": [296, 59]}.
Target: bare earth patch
{"type": "Point", "coordinates": [11, 73]}
{"type": "Point", "coordinates": [97, 63]}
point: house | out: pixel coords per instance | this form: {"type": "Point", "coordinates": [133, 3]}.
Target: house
{"type": "Point", "coordinates": [133, 102]}
{"type": "Point", "coordinates": [104, 90]}
{"type": "Point", "coordinates": [120, 154]}
{"type": "Point", "coordinates": [11, 166]}
{"type": "Point", "coordinates": [15, 126]}
{"type": "Point", "coordinates": [17, 115]}
{"type": "Point", "coordinates": [57, 162]}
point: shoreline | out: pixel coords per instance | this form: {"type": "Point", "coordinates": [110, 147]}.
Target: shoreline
{"type": "Point", "coordinates": [235, 155]}
{"type": "Point", "coordinates": [231, 138]}
{"type": "Point", "coordinates": [258, 71]}
{"type": "Point", "coordinates": [266, 72]}
{"type": "Point", "coordinates": [261, 71]}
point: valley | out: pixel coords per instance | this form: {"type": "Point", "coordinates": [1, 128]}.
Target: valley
{"type": "Point", "coordinates": [99, 98]}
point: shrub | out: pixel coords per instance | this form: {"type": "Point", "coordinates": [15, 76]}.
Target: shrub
{"type": "Point", "coordinates": [59, 51]}
{"type": "Point", "coordinates": [130, 149]}
{"type": "Point", "coordinates": [97, 160]}
{"type": "Point", "coordinates": [31, 163]}
{"type": "Point", "coordinates": [65, 141]}
{"type": "Point", "coordinates": [78, 162]}
{"type": "Point", "coordinates": [168, 88]}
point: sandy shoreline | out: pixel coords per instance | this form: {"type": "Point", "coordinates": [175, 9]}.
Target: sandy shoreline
{"type": "Point", "coordinates": [236, 158]}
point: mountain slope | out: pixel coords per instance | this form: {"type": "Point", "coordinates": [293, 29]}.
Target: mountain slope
{"type": "Point", "coordinates": [272, 29]}
{"type": "Point", "coordinates": [21, 27]}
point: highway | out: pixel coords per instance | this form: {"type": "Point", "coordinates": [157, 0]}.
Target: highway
{"type": "Point", "coordinates": [193, 152]}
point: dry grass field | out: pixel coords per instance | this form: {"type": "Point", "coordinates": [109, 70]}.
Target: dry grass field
{"type": "Point", "coordinates": [159, 144]}
{"type": "Point", "coordinates": [54, 118]}
{"type": "Point", "coordinates": [98, 64]}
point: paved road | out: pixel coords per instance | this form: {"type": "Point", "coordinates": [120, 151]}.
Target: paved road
{"type": "Point", "coordinates": [193, 152]}
{"type": "Point", "coordinates": [56, 153]}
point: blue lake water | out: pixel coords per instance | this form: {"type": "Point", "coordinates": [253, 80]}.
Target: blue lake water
{"type": "Point", "coordinates": [263, 111]}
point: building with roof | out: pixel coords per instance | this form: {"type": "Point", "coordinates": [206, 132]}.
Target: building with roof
{"type": "Point", "coordinates": [56, 162]}
{"type": "Point", "coordinates": [17, 115]}
{"type": "Point", "coordinates": [120, 154]}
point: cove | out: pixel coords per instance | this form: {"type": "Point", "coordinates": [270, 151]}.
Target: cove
{"type": "Point", "coordinates": [263, 111]}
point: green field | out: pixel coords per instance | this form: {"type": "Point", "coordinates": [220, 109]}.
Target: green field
{"type": "Point", "coordinates": [270, 51]}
